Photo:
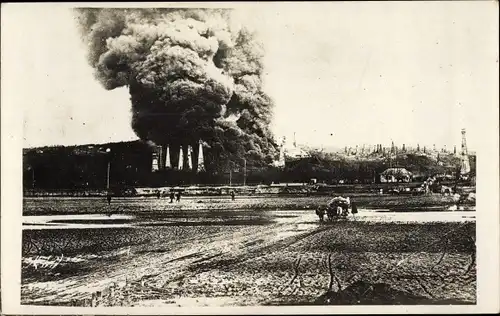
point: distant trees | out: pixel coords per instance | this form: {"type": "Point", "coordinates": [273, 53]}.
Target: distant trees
{"type": "Point", "coordinates": [331, 167]}
{"type": "Point", "coordinates": [85, 167]}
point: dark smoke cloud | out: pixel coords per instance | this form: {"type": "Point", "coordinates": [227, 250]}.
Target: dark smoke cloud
{"type": "Point", "coordinates": [191, 75]}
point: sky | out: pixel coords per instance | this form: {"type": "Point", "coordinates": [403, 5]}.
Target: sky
{"type": "Point", "coordinates": [340, 74]}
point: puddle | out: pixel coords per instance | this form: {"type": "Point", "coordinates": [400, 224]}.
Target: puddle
{"type": "Point", "coordinates": [258, 222]}
{"type": "Point", "coordinates": [95, 221]}
{"type": "Point", "coordinates": [286, 234]}
{"type": "Point", "coordinates": [302, 227]}
{"type": "Point", "coordinates": [74, 218]}
{"type": "Point", "coordinates": [72, 226]}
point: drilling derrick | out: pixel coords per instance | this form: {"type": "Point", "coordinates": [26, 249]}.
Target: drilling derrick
{"type": "Point", "coordinates": [464, 158]}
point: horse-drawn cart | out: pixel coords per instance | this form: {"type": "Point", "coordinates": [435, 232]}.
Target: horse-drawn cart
{"type": "Point", "coordinates": [336, 208]}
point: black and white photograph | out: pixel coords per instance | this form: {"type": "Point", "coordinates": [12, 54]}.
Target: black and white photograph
{"type": "Point", "coordinates": [183, 155]}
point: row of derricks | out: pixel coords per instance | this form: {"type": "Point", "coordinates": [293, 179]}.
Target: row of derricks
{"type": "Point", "coordinates": [337, 208]}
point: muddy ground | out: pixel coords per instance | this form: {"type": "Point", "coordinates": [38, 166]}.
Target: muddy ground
{"type": "Point", "coordinates": [158, 257]}
{"type": "Point", "coordinates": [97, 205]}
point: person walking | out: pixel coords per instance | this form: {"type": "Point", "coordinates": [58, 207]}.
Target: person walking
{"type": "Point", "coordinates": [178, 196]}
{"type": "Point", "coordinates": [172, 196]}
{"type": "Point", "coordinates": [108, 198]}
{"type": "Point", "coordinates": [354, 208]}
{"type": "Point", "coordinates": [232, 195]}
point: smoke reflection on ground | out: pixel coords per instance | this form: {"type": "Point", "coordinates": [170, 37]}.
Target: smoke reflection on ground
{"type": "Point", "coordinates": [238, 257]}
{"type": "Point", "coordinates": [230, 217]}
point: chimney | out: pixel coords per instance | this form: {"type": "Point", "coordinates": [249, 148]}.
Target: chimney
{"type": "Point", "coordinates": [189, 157]}
{"type": "Point", "coordinates": [154, 166]}
{"type": "Point", "coordinates": [160, 157]}
{"type": "Point", "coordinates": [181, 159]}
{"type": "Point", "coordinates": [201, 163]}
{"type": "Point", "coordinates": [167, 158]}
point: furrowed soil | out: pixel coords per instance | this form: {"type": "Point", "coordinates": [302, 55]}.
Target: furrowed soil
{"type": "Point", "coordinates": [93, 205]}
{"type": "Point", "coordinates": [162, 257]}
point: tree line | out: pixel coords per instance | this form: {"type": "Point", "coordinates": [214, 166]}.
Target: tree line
{"type": "Point", "coordinates": [130, 165]}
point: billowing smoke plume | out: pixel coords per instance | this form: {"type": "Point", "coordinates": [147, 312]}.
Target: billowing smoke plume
{"type": "Point", "coordinates": [191, 75]}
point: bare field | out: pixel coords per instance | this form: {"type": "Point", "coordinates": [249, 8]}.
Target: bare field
{"type": "Point", "coordinates": [61, 205]}
{"type": "Point", "coordinates": [237, 257]}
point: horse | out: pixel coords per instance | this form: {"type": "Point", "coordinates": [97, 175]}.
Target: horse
{"type": "Point", "coordinates": [320, 211]}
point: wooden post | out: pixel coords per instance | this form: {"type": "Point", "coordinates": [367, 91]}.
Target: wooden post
{"type": "Point", "coordinates": [244, 172]}
{"type": "Point", "coordinates": [107, 177]}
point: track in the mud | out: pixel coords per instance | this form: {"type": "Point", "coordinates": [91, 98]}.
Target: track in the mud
{"type": "Point", "coordinates": [177, 256]}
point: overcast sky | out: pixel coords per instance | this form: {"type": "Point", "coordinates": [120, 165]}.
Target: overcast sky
{"type": "Point", "coordinates": [339, 73]}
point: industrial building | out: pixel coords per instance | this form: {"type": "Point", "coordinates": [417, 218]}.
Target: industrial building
{"type": "Point", "coordinates": [396, 175]}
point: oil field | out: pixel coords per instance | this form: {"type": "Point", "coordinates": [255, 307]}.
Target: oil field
{"type": "Point", "coordinates": [238, 245]}
{"type": "Point", "coordinates": [251, 251]}
{"type": "Point", "coordinates": [194, 157]}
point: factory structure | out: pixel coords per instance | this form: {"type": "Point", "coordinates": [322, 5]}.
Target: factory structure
{"type": "Point", "coordinates": [113, 165]}
{"type": "Point", "coordinates": [289, 153]}
{"type": "Point", "coordinates": [138, 163]}
{"type": "Point", "coordinates": [162, 160]}
{"type": "Point", "coordinates": [394, 156]}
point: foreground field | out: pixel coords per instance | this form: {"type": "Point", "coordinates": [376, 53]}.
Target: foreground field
{"type": "Point", "coordinates": [249, 257]}
{"type": "Point", "coordinates": [54, 206]}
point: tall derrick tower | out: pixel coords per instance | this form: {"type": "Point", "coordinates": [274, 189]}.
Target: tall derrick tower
{"type": "Point", "coordinates": [464, 158]}
{"type": "Point", "coordinates": [157, 161]}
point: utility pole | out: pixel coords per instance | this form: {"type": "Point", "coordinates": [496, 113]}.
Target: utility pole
{"type": "Point", "coordinates": [107, 182]}
{"type": "Point", "coordinates": [33, 180]}
{"type": "Point", "coordinates": [109, 167]}
{"type": "Point", "coordinates": [244, 172]}
{"type": "Point", "coordinates": [230, 174]}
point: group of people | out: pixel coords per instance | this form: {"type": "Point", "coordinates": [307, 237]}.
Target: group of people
{"type": "Point", "coordinates": [173, 196]}
{"type": "Point", "coordinates": [337, 207]}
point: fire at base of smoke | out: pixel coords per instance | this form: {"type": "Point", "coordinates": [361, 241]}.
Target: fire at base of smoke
{"type": "Point", "coordinates": [191, 75]}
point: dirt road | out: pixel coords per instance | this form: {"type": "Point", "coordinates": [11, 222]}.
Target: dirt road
{"type": "Point", "coordinates": [184, 258]}
{"type": "Point", "coordinates": [212, 258]}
